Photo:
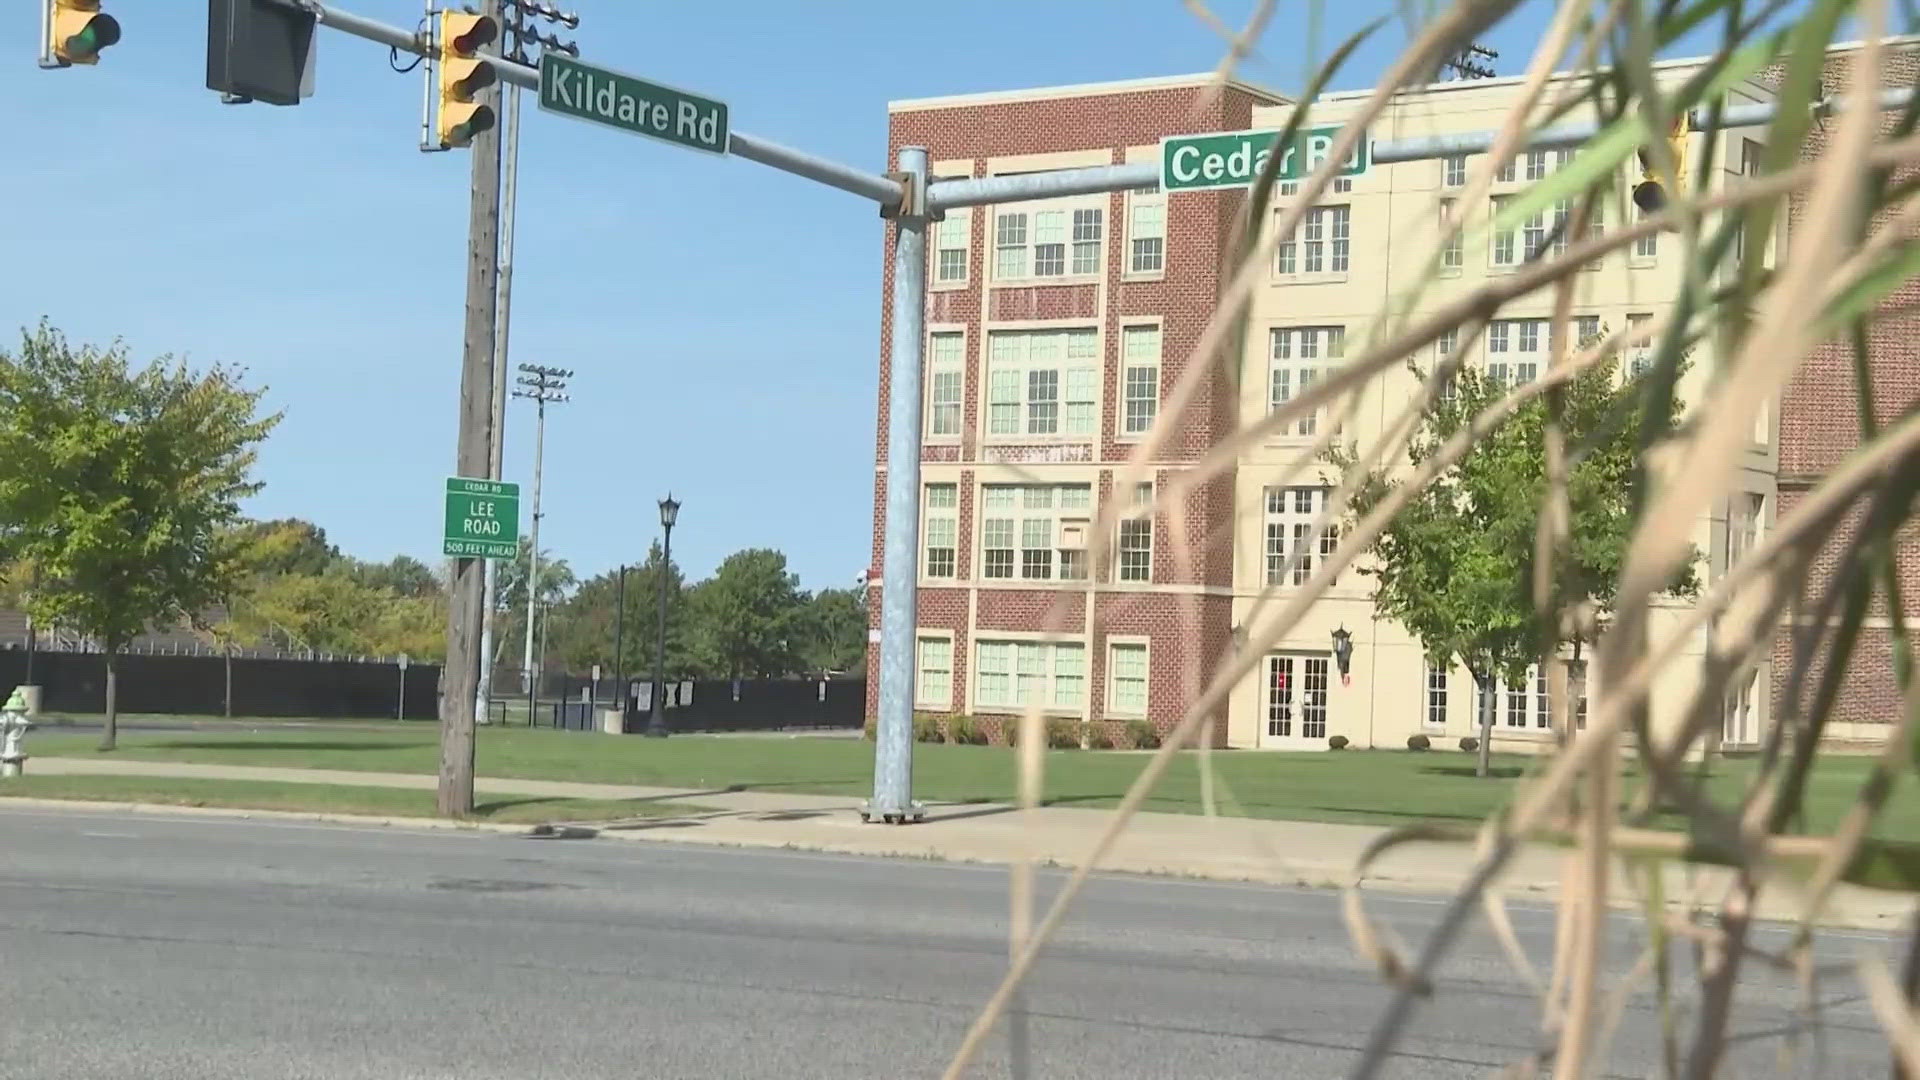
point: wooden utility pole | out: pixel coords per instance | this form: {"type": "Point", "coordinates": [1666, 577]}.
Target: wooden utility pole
{"type": "Point", "coordinates": [474, 458]}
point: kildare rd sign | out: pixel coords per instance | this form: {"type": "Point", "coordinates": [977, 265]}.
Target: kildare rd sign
{"type": "Point", "coordinates": [1232, 159]}
{"type": "Point", "coordinates": [483, 519]}
{"type": "Point", "coordinates": [600, 96]}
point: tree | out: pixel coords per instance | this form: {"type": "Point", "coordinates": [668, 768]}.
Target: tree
{"type": "Point", "coordinates": [119, 484]}
{"type": "Point", "coordinates": [284, 546]}
{"type": "Point", "coordinates": [1456, 565]}
{"type": "Point", "coordinates": [583, 628]}
{"type": "Point", "coordinates": [749, 618]}
{"type": "Point", "coordinates": [403, 575]}
{"type": "Point", "coordinates": [510, 593]}
{"type": "Point", "coordinates": [836, 631]}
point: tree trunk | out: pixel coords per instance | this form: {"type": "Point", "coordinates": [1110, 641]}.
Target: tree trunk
{"type": "Point", "coordinates": [110, 736]}
{"type": "Point", "coordinates": [1488, 685]}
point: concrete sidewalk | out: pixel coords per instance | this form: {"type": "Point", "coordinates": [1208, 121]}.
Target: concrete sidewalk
{"type": "Point", "coordinates": [1232, 849]}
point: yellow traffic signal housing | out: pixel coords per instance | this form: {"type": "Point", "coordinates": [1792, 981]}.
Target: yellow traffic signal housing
{"type": "Point", "coordinates": [77, 30]}
{"type": "Point", "coordinates": [1654, 191]}
{"type": "Point", "coordinates": [463, 72]}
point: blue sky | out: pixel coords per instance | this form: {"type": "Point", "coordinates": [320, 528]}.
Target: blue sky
{"type": "Point", "coordinates": [722, 318]}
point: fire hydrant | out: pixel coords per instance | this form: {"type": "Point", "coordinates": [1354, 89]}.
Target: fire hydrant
{"type": "Point", "coordinates": [14, 726]}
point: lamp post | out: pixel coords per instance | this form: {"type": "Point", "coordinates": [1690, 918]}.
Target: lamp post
{"type": "Point", "coordinates": [619, 644]}
{"type": "Point", "coordinates": [657, 725]}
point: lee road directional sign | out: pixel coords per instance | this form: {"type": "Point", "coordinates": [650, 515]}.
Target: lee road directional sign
{"type": "Point", "coordinates": [595, 94]}
{"type": "Point", "coordinates": [1227, 159]}
{"type": "Point", "coordinates": [483, 519]}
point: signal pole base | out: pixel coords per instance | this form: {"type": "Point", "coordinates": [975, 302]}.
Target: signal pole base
{"type": "Point", "coordinates": [915, 812]}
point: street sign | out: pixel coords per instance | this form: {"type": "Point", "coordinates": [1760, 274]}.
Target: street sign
{"type": "Point", "coordinates": [483, 519]}
{"type": "Point", "coordinates": [586, 92]}
{"type": "Point", "coordinates": [405, 660]}
{"type": "Point", "coordinates": [1229, 159]}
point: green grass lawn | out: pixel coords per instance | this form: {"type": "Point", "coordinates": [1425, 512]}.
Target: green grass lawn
{"type": "Point", "coordinates": [1367, 787]}
{"type": "Point", "coordinates": [324, 798]}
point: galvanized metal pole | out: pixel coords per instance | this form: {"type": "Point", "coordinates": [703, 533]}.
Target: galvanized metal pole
{"type": "Point", "coordinates": [533, 555]}
{"type": "Point", "coordinates": [619, 645]}
{"type": "Point", "coordinates": [497, 431]}
{"type": "Point", "coordinates": [892, 800]}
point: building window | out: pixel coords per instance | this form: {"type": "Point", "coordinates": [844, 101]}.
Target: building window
{"type": "Point", "coordinates": [946, 371]}
{"type": "Point", "coordinates": [1136, 538]}
{"type": "Point", "coordinates": [1146, 231]}
{"type": "Point", "coordinates": [1042, 382]}
{"type": "Point", "coordinates": [1035, 532]}
{"type": "Point", "coordinates": [1453, 251]}
{"type": "Point", "coordinates": [1453, 171]}
{"type": "Point", "coordinates": [1298, 355]}
{"type": "Point", "coordinates": [1639, 356]}
{"type": "Point", "coordinates": [1646, 247]}
{"type": "Point", "coordinates": [1045, 243]}
{"type": "Point", "coordinates": [1127, 678]}
{"type": "Point", "coordinates": [1528, 704]}
{"type": "Point", "coordinates": [1538, 164]}
{"type": "Point", "coordinates": [1320, 244]}
{"type": "Point", "coordinates": [950, 240]}
{"type": "Point", "coordinates": [1342, 185]}
{"type": "Point", "coordinates": [942, 530]}
{"type": "Point", "coordinates": [1743, 525]}
{"type": "Point", "coordinates": [1515, 350]}
{"type": "Point", "coordinates": [1436, 696]}
{"type": "Point", "coordinates": [1577, 689]}
{"type": "Point", "coordinates": [933, 684]}
{"type": "Point", "coordinates": [1506, 249]}
{"type": "Point", "coordinates": [1140, 359]}
{"type": "Point", "coordinates": [1018, 674]}
{"type": "Point", "coordinates": [1290, 519]}
{"type": "Point", "coordinates": [1596, 228]}
{"type": "Point", "coordinates": [1586, 328]}
{"type": "Point", "coordinates": [1443, 348]}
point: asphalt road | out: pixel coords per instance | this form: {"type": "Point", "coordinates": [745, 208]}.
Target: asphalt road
{"type": "Point", "coordinates": [173, 948]}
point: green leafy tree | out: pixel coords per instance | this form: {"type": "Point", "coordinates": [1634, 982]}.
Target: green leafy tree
{"type": "Point", "coordinates": [1456, 565]}
{"type": "Point", "coordinates": [510, 595]}
{"type": "Point", "coordinates": [283, 546]}
{"type": "Point", "coordinates": [403, 575]}
{"type": "Point", "coordinates": [120, 484]}
{"type": "Point", "coordinates": [749, 617]}
{"type": "Point", "coordinates": [584, 628]}
{"type": "Point", "coordinates": [836, 631]}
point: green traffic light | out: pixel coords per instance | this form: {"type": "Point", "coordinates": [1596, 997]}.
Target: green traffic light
{"type": "Point", "coordinates": [100, 32]}
{"type": "Point", "coordinates": [462, 133]}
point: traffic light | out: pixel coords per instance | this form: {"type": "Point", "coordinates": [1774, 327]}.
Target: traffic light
{"type": "Point", "coordinates": [463, 73]}
{"type": "Point", "coordinates": [259, 50]}
{"type": "Point", "coordinates": [77, 30]}
{"type": "Point", "coordinates": [1653, 191]}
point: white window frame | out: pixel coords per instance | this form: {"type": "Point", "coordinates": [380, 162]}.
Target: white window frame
{"type": "Point", "coordinates": [1646, 247]}
{"type": "Point", "coordinates": [946, 374]}
{"type": "Point", "coordinates": [1287, 520]}
{"type": "Point", "coordinates": [1453, 171]}
{"type": "Point", "coordinates": [1517, 350]}
{"type": "Point", "coordinates": [1301, 713]}
{"type": "Point", "coordinates": [1321, 247]}
{"type": "Point", "coordinates": [1059, 226]}
{"type": "Point", "coordinates": [952, 235]}
{"type": "Point", "coordinates": [1017, 515]}
{"type": "Point", "coordinates": [1135, 525]}
{"type": "Point", "coordinates": [1144, 648]}
{"type": "Point", "coordinates": [1146, 210]}
{"type": "Point", "coordinates": [1017, 379]}
{"type": "Point", "coordinates": [1297, 356]}
{"type": "Point", "coordinates": [1453, 250]}
{"type": "Point", "coordinates": [1031, 666]}
{"type": "Point", "coordinates": [1141, 346]}
{"type": "Point", "coordinates": [922, 697]}
{"type": "Point", "coordinates": [1639, 357]}
{"type": "Point", "coordinates": [940, 514]}
{"type": "Point", "coordinates": [1436, 701]}
{"type": "Point", "coordinates": [1526, 707]}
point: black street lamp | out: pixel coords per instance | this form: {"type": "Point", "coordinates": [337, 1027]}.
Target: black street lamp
{"type": "Point", "coordinates": [657, 726]}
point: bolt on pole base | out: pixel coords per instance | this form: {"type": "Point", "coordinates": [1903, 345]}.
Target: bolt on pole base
{"type": "Point", "coordinates": [915, 813]}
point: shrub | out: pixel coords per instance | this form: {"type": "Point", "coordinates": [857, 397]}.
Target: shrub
{"type": "Point", "coordinates": [1101, 738]}
{"type": "Point", "coordinates": [871, 730]}
{"type": "Point", "coordinates": [1469, 744]}
{"type": "Point", "coordinates": [926, 728]}
{"type": "Point", "coordinates": [1338, 742]}
{"type": "Point", "coordinates": [1063, 734]}
{"type": "Point", "coordinates": [1419, 742]}
{"type": "Point", "coordinates": [965, 731]}
{"type": "Point", "coordinates": [1142, 735]}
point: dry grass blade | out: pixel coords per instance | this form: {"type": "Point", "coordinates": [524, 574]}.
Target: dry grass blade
{"type": "Point", "coordinates": [1893, 1011]}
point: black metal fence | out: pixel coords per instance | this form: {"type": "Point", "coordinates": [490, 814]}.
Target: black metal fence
{"type": "Point", "coordinates": [711, 705]}
{"type": "Point", "coordinates": [76, 682]}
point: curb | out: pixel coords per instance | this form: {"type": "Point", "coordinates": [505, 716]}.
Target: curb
{"type": "Point", "coordinates": [1306, 877]}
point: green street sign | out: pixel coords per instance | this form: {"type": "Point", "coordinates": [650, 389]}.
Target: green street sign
{"type": "Point", "coordinates": [1230, 159]}
{"type": "Point", "coordinates": [597, 95]}
{"type": "Point", "coordinates": [483, 519]}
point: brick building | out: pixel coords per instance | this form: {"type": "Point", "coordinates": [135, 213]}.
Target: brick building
{"type": "Point", "coordinates": [1820, 424]}
{"type": "Point", "coordinates": [1056, 328]}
